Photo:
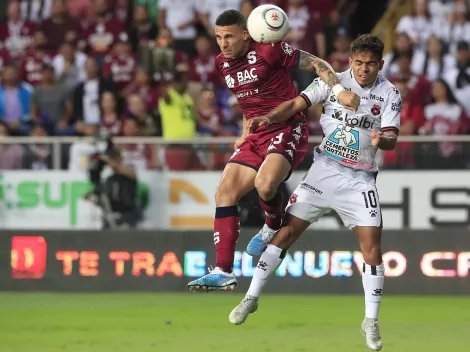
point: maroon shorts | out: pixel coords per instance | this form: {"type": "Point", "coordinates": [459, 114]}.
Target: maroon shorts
{"type": "Point", "coordinates": [288, 140]}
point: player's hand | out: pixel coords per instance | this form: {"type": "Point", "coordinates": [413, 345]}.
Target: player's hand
{"type": "Point", "coordinates": [256, 122]}
{"type": "Point", "coordinates": [349, 100]}
{"type": "Point", "coordinates": [375, 138]}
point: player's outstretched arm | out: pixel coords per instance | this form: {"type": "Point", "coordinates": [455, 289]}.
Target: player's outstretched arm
{"type": "Point", "coordinates": [281, 113]}
{"type": "Point", "coordinates": [310, 62]}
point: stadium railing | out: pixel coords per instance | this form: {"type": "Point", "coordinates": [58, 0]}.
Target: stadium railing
{"type": "Point", "coordinates": [428, 144]}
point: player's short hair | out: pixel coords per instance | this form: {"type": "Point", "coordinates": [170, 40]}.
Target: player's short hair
{"type": "Point", "coordinates": [368, 43]}
{"type": "Point", "coordinates": [230, 18]}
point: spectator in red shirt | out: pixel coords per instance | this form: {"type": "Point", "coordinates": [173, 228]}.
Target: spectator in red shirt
{"type": "Point", "coordinates": [31, 64]}
{"type": "Point", "coordinates": [120, 65]}
{"type": "Point", "coordinates": [111, 118]}
{"type": "Point", "coordinates": [101, 34]}
{"type": "Point", "coordinates": [339, 58]}
{"type": "Point", "coordinates": [444, 116]}
{"type": "Point", "coordinates": [143, 34]}
{"type": "Point", "coordinates": [419, 87]}
{"type": "Point", "coordinates": [411, 120]}
{"type": "Point", "coordinates": [209, 116]}
{"type": "Point", "coordinates": [16, 34]}
{"type": "Point", "coordinates": [60, 27]}
{"type": "Point", "coordinates": [142, 86]}
{"type": "Point", "coordinates": [202, 67]}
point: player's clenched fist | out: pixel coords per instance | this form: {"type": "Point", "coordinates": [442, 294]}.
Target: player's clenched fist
{"type": "Point", "coordinates": [256, 122]}
{"type": "Point", "coordinates": [349, 100]}
{"type": "Point", "coordinates": [375, 137]}
{"type": "Point", "coordinates": [239, 141]}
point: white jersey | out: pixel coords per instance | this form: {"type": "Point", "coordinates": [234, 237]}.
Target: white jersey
{"type": "Point", "coordinates": [347, 134]}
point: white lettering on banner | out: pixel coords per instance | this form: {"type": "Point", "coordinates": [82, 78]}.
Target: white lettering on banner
{"type": "Point", "coordinates": [53, 200]}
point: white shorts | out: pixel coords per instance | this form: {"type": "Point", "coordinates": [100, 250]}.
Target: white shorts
{"type": "Point", "coordinates": [330, 186]}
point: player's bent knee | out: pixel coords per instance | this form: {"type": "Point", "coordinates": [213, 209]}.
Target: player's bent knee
{"type": "Point", "coordinates": [266, 187]}
{"type": "Point", "coordinates": [226, 196]}
{"type": "Point", "coordinates": [372, 254]}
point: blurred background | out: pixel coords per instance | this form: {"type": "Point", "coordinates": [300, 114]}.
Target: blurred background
{"type": "Point", "coordinates": [114, 118]}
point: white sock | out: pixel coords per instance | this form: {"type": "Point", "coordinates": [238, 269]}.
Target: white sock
{"type": "Point", "coordinates": [373, 283]}
{"type": "Point", "coordinates": [267, 265]}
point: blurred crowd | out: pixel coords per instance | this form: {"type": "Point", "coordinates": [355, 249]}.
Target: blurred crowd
{"type": "Point", "coordinates": [139, 68]}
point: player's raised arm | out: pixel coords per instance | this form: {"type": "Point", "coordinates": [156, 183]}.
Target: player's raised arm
{"type": "Point", "coordinates": [311, 62]}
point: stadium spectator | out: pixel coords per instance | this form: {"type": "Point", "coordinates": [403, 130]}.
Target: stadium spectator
{"type": "Point", "coordinates": [444, 116]}
{"type": "Point", "coordinates": [87, 95]}
{"type": "Point", "coordinates": [111, 117]}
{"type": "Point", "coordinates": [16, 34]}
{"type": "Point", "coordinates": [50, 104]}
{"type": "Point", "coordinates": [209, 116]}
{"type": "Point", "coordinates": [119, 66]}
{"type": "Point", "coordinates": [180, 17]}
{"type": "Point", "coordinates": [142, 86]}
{"type": "Point", "coordinates": [419, 25]}
{"type": "Point", "coordinates": [10, 154]}
{"type": "Point", "coordinates": [458, 29]}
{"type": "Point", "coordinates": [80, 9]}
{"type": "Point", "coordinates": [459, 78]}
{"type": "Point", "coordinates": [419, 87]}
{"type": "Point", "coordinates": [402, 45]}
{"type": "Point", "coordinates": [36, 10]}
{"type": "Point", "coordinates": [140, 155]}
{"type": "Point", "coordinates": [165, 56]}
{"type": "Point", "coordinates": [434, 62]}
{"type": "Point", "coordinates": [15, 99]}
{"type": "Point", "coordinates": [411, 119]}
{"type": "Point", "coordinates": [61, 27]}
{"type": "Point", "coordinates": [32, 62]}
{"type": "Point", "coordinates": [151, 7]}
{"type": "Point", "coordinates": [4, 58]}
{"type": "Point", "coordinates": [246, 7]}
{"type": "Point", "coordinates": [101, 34]}
{"type": "Point", "coordinates": [143, 34]}
{"type": "Point", "coordinates": [149, 122]}
{"type": "Point", "coordinates": [69, 65]}
{"type": "Point", "coordinates": [37, 156]}
{"type": "Point", "coordinates": [339, 58]}
{"type": "Point", "coordinates": [210, 9]}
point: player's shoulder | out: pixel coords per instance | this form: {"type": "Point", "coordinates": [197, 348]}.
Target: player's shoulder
{"type": "Point", "coordinates": [386, 86]}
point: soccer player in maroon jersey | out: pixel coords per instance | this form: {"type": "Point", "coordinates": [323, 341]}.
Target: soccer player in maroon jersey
{"type": "Point", "coordinates": [258, 76]}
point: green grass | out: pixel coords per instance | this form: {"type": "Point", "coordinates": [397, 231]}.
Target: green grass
{"type": "Point", "coordinates": [199, 322]}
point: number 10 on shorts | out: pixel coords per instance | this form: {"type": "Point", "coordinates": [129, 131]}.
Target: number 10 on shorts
{"type": "Point", "coordinates": [370, 199]}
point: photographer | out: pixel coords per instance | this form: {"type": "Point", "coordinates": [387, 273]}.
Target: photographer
{"type": "Point", "coordinates": [117, 195]}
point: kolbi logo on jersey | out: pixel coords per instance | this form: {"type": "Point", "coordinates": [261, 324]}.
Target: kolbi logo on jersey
{"type": "Point", "coordinates": [364, 121]}
{"type": "Point", "coordinates": [343, 144]}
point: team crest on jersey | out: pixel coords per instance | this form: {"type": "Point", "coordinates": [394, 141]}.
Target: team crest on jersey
{"type": "Point", "coordinates": [375, 110]}
{"type": "Point", "coordinates": [343, 144]}
{"type": "Point", "coordinates": [293, 198]}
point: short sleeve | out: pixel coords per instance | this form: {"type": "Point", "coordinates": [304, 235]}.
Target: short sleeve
{"type": "Point", "coordinates": [317, 92]}
{"type": "Point", "coordinates": [391, 113]}
{"type": "Point", "coordinates": [280, 55]}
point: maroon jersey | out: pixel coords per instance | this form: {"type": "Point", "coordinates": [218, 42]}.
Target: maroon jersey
{"type": "Point", "coordinates": [119, 70]}
{"type": "Point", "coordinates": [203, 70]}
{"type": "Point", "coordinates": [260, 78]}
{"type": "Point", "coordinates": [31, 66]}
{"type": "Point", "coordinates": [100, 36]}
{"type": "Point", "coordinates": [16, 37]}
{"type": "Point", "coordinates": [4, 58]}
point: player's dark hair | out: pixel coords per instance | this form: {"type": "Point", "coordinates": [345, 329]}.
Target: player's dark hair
{"type": "Point", "coordinates": [368, 43]}
{"type": "Point", "coordinates": [230, 18]}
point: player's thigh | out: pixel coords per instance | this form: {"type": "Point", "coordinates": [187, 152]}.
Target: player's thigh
{"type": "Point", "coordinates": [357, 203]}
{"type": "Point", "coordinates": [311, 199]}
{"type": "Point", "coordinates": [237, 180]}
{"type": "Point", "coordinates": [274, 169]}
{"type": "Point", "coordinates": [290, 231]}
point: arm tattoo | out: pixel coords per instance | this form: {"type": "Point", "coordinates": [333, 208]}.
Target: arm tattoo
{"type": "Point", "coordinates": [310, 62]}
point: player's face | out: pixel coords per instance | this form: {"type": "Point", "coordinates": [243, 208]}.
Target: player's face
{"type": "Point", "coordinates": [232, 40]}
{"type": "Point", "coordinates": [365, 67]}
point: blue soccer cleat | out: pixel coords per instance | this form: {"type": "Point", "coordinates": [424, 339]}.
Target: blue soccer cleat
{"type": "Point", "coordinates": [216, 280]}
{"type": "Point", "coordinates": [259, 243]}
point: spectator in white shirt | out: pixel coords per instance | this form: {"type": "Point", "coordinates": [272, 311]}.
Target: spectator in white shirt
{"type": "Point", "coordinates": [459, 77]}
{"type": "Point", "coordinates": [459, 28]}
{"type": "Point", "coordinates": [418, 26]}
{"type": "Point", "coordinates": [403, 44]}
{"type": "Point", "coordinates": [434, 62]}
{"type": "Point", "coordinates": [69, 65]}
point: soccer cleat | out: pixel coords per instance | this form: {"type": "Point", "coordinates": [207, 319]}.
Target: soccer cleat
{"type": "Point", "coordinates": [259, 243]}
{"type": "Point", "coordinates": [215, 280]}
{"type": "Point", "coordinates": [247, 306]}
{"type": "Point", "coordinates": [370, 329]}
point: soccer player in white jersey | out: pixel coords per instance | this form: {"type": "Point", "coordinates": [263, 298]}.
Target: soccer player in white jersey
{"type": "Point", "coordinates": [342, 177]}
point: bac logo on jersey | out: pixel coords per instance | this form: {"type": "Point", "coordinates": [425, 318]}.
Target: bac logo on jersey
{"type": "Point", "coordinates": [343, 144]}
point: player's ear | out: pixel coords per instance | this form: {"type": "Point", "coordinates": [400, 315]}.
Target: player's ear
{"type": "Point", "coordinates": [350, 62]}
{"type": "Point", "coordinates": [246, 35]}
{"type": "Point", "coordinates": [381, 65]}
